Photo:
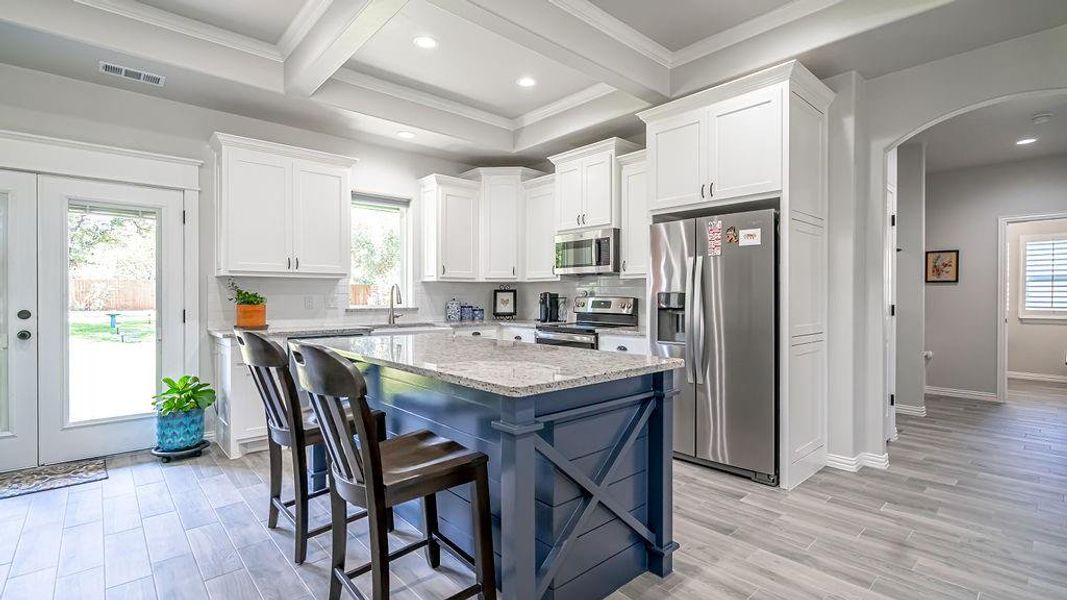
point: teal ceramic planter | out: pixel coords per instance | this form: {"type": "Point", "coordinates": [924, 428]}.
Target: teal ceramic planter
{"type": "Point", "coordinates": [180, 430]}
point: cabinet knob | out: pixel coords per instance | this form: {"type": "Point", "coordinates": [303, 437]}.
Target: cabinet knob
{"type": "Point", "coordinates": [621, 348]}
{"type": "Point", "coordinates": [24, 314]}
{"type": "Point", "coordinates": [518, 338]}
{"type": "Point", "coordinates": [476, 333]}
{"type": "Point", "coordinates": [24, 335]}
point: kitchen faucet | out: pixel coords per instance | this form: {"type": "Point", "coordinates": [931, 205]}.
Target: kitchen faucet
{"type": "Point", "coordinates": [394, 292]}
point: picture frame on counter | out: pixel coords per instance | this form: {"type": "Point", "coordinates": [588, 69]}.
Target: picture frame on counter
{"type": "Point", "coordinates": [505, 303]}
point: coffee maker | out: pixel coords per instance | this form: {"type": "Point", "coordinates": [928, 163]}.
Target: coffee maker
{"type": "Point", "coordinates": [548, 307]}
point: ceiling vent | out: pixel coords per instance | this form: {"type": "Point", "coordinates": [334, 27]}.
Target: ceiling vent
{"type": "Point", "coordinates": [132, 74]}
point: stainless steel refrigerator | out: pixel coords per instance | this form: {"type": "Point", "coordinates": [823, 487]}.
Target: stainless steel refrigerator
{"type": "Point", "coordinates": [713, 290]}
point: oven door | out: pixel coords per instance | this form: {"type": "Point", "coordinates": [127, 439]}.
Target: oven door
{"type": "Point", "coordinates": [559, 338]}
{"type": "Point", "coordinates": [587, 252]}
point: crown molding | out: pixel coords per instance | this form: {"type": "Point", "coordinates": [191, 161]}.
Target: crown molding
{"type": "Point", "coordinates": [617, 146]}
{"type": "Point", "coordinates": [221, 140]}
{"type": "Point", "coordinates": [637, 156]}
{"type": "Point", "coordinates": [604, 22]}
{"type": "Point", "coordinates": [151, 15]}
{"type": "Point", "coordinates": [305, 19]}
{"type": "Point", "coordinates": [427, 99]}
{"type": "Point", "coordinates": [774, 19]}
{"type": "Point", "coordinates": [598, 90]}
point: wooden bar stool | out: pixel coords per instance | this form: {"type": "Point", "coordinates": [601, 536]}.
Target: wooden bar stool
{"type": "Point", "coordinates": [288, 426]}
{"type": "Point", "coordinates": [378, 475]}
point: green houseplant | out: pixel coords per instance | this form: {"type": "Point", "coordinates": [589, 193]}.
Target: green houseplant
{"type": "Point", "coordinates": [251, 307]}
{"type": "Point", "coordinates": [180, 412]}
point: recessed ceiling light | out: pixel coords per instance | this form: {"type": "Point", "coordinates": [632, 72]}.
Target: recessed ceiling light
{"type": "Point", "coordinates": [424, 41]}
{"type": "Point", "coordinates": [405, 135]}
{"type": "Point", "coordinates": [1025, 141]}
{"type": "Point", "coordinates": [526, 81]}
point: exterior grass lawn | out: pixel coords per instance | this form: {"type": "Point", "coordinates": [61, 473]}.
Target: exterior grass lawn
{"type": "Point", "coordinates": [134, 330]}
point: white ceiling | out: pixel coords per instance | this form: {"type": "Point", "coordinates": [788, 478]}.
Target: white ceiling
{"type": "Point", "coordinates": [470, 63]}
{"type": "Point", "coordinates": [987, 135]}
{"type": "Point", "coordinates": [676, 24]}
{"type": "Point", "coordinates": [264, 20]}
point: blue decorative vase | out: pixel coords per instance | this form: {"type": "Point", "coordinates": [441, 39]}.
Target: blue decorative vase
{"type": "Point", "coordinates": [179, 430]}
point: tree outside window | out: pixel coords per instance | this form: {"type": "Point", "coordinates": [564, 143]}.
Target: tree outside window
{"type": "Point", "coordinates": [378, 252]}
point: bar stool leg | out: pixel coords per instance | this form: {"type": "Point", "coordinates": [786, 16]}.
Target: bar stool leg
{"type": "Point", "coordinates": [483, 535]}
{"type": "Point", "coordinates": [300, 506]}
{"type": "Point", "coordinates": [379, 552]}
{"type": "Point", "coordinates": [429, 517]}
{"type": "Point", "coordinates": [274, 452]}
{"type": "Point", "coordinates": [338, 538]}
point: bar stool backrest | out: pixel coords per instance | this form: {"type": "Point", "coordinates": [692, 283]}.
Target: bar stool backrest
{"type": "Point", "coordinates": [329, 380]}
{"type": "Point", "coordinates": [269, 367]}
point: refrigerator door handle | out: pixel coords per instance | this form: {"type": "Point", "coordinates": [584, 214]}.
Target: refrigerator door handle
{"type": "Point", "coordinates": [689, 338]}
{"type": "Point", "coordinates": [698, 320]}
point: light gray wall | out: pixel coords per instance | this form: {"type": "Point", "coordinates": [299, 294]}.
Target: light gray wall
{"type": "Point", "coordinates": [1034, 346]}
{"type": "Point", "coordinates": [962, 208]}
{"type": "Point", "coordinates": [911, 217]}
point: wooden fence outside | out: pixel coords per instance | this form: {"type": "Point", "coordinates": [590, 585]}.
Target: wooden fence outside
{"type": "Point", "coordinates": [112, 294]}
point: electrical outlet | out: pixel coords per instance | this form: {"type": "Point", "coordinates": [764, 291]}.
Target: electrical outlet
{"type": "Point", "coordinates": [309, 302]}
{"type": "Point", "coordinates": [331, 300]}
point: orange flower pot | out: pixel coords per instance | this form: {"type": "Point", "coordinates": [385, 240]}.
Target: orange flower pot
{"type": "Point", "coordinates": [251, 316]}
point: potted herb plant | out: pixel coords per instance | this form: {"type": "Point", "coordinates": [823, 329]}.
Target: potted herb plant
{"type": "Point", "coordinates": [251, 307]}
{"type": "Point", "coordinates": [180, 413]}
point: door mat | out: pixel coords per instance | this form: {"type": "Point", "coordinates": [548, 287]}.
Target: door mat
{"type": "Point", "coordinates": [50, 477]}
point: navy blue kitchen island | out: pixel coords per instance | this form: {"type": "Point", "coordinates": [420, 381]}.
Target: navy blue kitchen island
{"type": "Point", "coordinates": [579, 445]}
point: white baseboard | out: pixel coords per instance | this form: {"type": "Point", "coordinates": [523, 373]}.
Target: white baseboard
{"type": "Point", "coordinates": [968, 394]}
{"type": "Point", "coordinates": [1037, 377]}
{"type": "Point", "coordinates": [855, 463]}
{"type": "Point", "coordinates": [915, 411]}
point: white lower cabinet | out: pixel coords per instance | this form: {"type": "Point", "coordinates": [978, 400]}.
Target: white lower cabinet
{"type": "Point", "coordinates": [239, 419]}
{"type": "Point", "coordinates": [623, 343]}
{"type": "Point", "coordinates": [517, 334]}
{"type": "Point", "coordinates": [489, 332]}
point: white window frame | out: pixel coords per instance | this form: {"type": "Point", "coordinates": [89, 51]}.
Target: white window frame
{"type": "Point", "coordinates": [406, 245]}
{"type": "Point", "coordinates": [1024, 313]}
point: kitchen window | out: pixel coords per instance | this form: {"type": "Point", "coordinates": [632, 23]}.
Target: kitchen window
{"type": "Point", "coordinates": [380, 252]}
{"type": "Point", "coordinates": [1043, 288]}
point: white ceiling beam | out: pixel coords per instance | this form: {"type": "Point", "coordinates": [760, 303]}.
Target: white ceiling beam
{"type": "Point", "coordinates": [556, 34]}
{"type": "Point", "coordinates": [837, 21]}
{"type": "Point", "coordinates": [342, 28]}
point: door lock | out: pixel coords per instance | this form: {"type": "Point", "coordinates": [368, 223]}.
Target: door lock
{"type": "Point", "coordinates": [24, 314]}
{"type": "Point", "coordinates": [24, 335]}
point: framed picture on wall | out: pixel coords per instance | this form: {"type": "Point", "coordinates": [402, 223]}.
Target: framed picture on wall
{"type": "Point", "coordinates": [943, 266]}
{"type": "Point", "coordinates": [504, 303]}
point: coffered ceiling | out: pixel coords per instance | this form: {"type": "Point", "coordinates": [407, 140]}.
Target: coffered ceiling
{"type": "Point", "coordinates": [352, 67]}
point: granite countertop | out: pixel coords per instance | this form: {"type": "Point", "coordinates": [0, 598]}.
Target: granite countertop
{"type": "Point", "coordinates": [347, 329]}
{"type": "Point", "coordinates": [504, 367]}
{"type": "Point", "coordinates": [344, 329]}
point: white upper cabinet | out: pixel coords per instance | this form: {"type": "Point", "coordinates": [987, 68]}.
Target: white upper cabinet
{"type": "Point", "coordinates": [678, 155]}
{"type": "Point", "coordinates": [587, 185]}
{"type": "Point", "coordinates": [635, 222]}
{"type": "Point", "coordinates": [450, 221]}
{"type": "Point", "coordinates": [281, 211]}
{"type": "Point", "coordinates": [540, 229]}
{"type": "Point", "coordinates": [501, 233]}
{"type": "Point", "coordinates": [745, 145]}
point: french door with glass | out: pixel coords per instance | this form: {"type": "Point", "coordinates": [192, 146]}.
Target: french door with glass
{"type": "Point", "coordinates": [18, 320]}
{"type": "Point", "coordinates": [109, 268]}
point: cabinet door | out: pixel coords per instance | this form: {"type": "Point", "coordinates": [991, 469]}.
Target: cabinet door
{"type": "Point", "coordinates": [540, 246]}
{"type": "Point", "coordinates": [677, 159]}
{"type": "Point", "coordinates": [805, 412]}
{"type": "Point", "coordinates": [500, 231]}
{"type": "Point", "coordinates": [623, 343]}
{"type": "Point", "coordinates": [598, 196]}
{"type": "Point", "coordinates": [745, 144]}
{"type": "Point", "coordinates": [256, 208]}
{"type": "Point", "coordinates": [635, 222]}
{"type": "Point", "coordinates": [517, 334]}
{"type": "Point", "coordinates": [322, 223]}
{"type": "Point", "coordinates": [457, 229]}
{"type": "Point", "coordinates": [569, 195]}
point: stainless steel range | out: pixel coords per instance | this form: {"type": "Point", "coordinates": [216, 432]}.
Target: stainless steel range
{"type": "Point", "coordinates": [590, 314]}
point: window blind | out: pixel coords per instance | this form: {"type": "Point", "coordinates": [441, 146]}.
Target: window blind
{"type": "Point", "coordinates": [1045, 277]}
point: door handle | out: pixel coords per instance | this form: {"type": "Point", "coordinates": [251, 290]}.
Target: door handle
{"type": "Point", "coordinates": [689, 337]}
{"type": "Point", "coordinates": [698, 317]}
{"type": "Point", "coordinates": [24, 335]}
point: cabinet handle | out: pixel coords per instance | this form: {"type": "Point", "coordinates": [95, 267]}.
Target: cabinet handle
{"type": "Point", "coordinates": [476, 333]}
{"type": "Point", "coordinates": [583, 218]}
{"type": "Point", "coordinates": [702, 186]}
{"type": "Point", "coordinates": [289, 263]}
{"type": "Point", "coordinates": [621, 348]}
{"type": "Point", "coordinates": [442, 269]}
{"type": "Point", "coordinates": [711, 190]}
{"type": "Point", "coordinates": [512, 271]}
{"type": "Point", "coordinates": [298, 263]}
{"type": "Point", "coordinates": [518, 338]}
{"type": "Point", "coordinates": [577, 219]}
{"type": "Point", "coordinates": [624, 265]}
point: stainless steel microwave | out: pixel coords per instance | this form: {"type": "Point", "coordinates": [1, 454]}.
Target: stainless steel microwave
{"type": "Point", "coordinates": [587, 252]}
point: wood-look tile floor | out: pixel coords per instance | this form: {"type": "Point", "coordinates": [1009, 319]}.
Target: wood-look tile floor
{"type": "Point", "coordinates": [972, 506]}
